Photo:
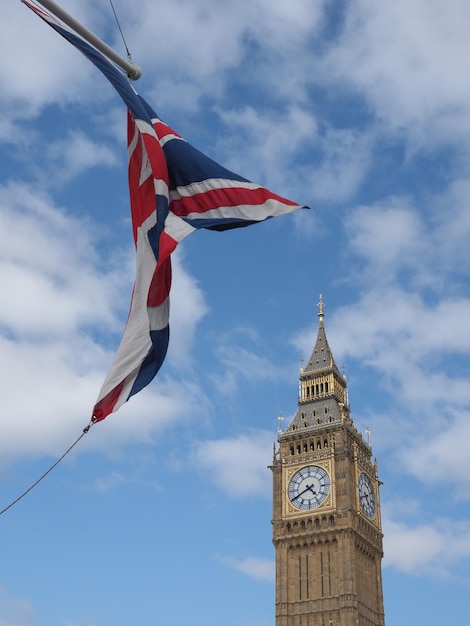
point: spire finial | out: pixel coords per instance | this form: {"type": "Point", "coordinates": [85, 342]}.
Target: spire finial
{"type": "Point", "coordinates": [320, 306]}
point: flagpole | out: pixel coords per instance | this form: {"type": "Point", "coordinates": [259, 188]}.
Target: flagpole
{"type": "Point", "coordinates": [133, 71]}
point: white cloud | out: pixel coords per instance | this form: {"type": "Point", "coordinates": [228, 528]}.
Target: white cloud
{"type": "Point", "coordinates": [256, 568]}
{"type": "Point", "coordinates": [238, 464]}
{"type": "Point", "coordinates": [61, 295]}
{"type": "Point", "coordinates": [45, 70]}
{"type": "Point", "coordinates": [48, 268]}
{"type": "Point", "coordinates": [451, 225]}
{"type": "Point", "coordinates": [272, 141]}
{"type": "Point", "coordinates": [269, 142]}
{"type": "Point", "coordinates": [436, 548]}
{"type": "Point", "coordinates": [14, 611]}
{"type": "Point", "coordinates": [408, 60]}
{"type": "Point", "coordinates": [287, 16]}
{"type": "Point", "coordinates": [160, 406]}
{"type": "Point", "coordinates": [241, 362]}
{"type": "Point", "coordinates": [211, 43]}
{"type": "Point", "coordinates": [396, 240]}
{"type": "Point", "coordinates": [395, 318]}
{"type": "Point", "coordinates": [188, 307]}
{"type": "Point", "coordinates": [443, 454]}
{"type": "Point", "coordinates": [109, 482]}
{"type": "Point", "coordinates": [345, 160]}
{"type": "Point", "coordinates": [76, 153]}
{"type": "Point", "coordinates": [389, 236]}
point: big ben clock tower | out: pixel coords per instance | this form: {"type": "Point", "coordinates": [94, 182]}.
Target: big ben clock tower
{"type": "Point", "coordinates": [327, 529]}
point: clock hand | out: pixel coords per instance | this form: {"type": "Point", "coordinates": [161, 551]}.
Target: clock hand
{"type": "Point", "coordinates": [307, 488]}
{"type": "Point", "coordinates": [367, 497]}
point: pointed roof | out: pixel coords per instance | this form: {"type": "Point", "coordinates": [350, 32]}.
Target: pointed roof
{"type": "Point", "coordinates": [322, 389]}
{"type": "Point", "coordinates": [321, 357]}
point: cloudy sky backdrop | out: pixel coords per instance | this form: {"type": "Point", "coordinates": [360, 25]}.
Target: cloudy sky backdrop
{"type": "Point", "coordinates": [161, 515]}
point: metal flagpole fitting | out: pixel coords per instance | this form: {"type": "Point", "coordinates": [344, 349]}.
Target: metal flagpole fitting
{"type": "Point", "coordinates": [133, 71]}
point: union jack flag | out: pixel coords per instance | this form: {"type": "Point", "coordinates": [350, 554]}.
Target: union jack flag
{"type": "Point", "coordinates": [174, 190]}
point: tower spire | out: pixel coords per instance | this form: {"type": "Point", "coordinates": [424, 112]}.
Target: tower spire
{"type": "Point", "coordinates": [322, 387]}
{"type": "Point", "coordinates": [321, 357]}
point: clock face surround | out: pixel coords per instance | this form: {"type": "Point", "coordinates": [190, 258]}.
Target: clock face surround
{"type": "Point", "coordinates": [309, 487]}
{"type": "Point", "coordinates": [366, 495]}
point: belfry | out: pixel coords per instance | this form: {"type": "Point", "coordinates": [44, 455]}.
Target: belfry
{"type": "Point", "coordinates": [327, 529]}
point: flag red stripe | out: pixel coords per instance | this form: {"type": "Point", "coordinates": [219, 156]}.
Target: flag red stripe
{"type": "Point", "coordinates": [159, 289]}
{"type": "Point", "coordinates": [163, 130]}
{"type": "Point", "coordinates": [106, 405]}
{"type": "Point", "coordinates": [224, 197]}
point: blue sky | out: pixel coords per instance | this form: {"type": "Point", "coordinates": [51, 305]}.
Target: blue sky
{"type": "Point", "coordinates": [161, 514]}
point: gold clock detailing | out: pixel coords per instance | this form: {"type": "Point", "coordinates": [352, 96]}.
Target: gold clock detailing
{"type": "Point", "coordinates": [308, 487]}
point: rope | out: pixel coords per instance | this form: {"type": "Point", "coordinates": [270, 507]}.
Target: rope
{"type": "Point", "coordinates": [120, 30]}
{"type": "Point", "coordinates": [85, 430]}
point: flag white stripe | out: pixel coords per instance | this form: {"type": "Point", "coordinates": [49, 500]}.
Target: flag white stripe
{"type": "Point", "coordinates": [177, 228]}
{"type": "Point", "coordinates": [210, 184]}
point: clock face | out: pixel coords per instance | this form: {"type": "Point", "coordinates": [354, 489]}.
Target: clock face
{"type": "Point", "coordinates": [309, 487]}
{"type": "Point", "coordinates": [366, 495]}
